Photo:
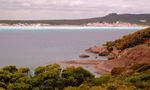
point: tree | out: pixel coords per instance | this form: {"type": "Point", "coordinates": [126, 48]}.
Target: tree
{"type": "Point", "coordinates": [10, 69]}
{"type": "Point", "coordinates": [75, 76]}
{"type": "Point", "coordinates": [39, 70]}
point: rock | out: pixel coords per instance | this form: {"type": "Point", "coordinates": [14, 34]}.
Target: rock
{"type": "Point", "coordinates": [101, 50]}
{"type": "Point", "coordinates": [110, 49]}
{"type": "Point", "coordinates": [104, 53]}
{"type": "Point", "coordinates": [112, 56]}
{"type": "Point", "coordinates": [84, 56]}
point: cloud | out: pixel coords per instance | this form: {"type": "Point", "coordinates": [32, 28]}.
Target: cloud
{"type": "Point", "coordinates": [68, 9]}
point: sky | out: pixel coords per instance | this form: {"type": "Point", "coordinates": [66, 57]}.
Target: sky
{"type": "Point", "coordinates": [68, 9]}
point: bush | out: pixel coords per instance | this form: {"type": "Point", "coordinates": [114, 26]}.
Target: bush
{"type": "Point", "coordinates": [75, 76]}
{"type": "Point", "coordinates": [2, 84]}
{"type": "Point", "coordinates": [117, 70]}
{"type": "Point", "coordinates": [136, 66]}
{"type": "Point", "coordinates": [145, 77]}
{"type": "Point", "coordinates": [143, 68]}
{"type": "Point", "coordinates": [100, 80]}
{"type": "Point", "coordinates": [130, 40]}
{"type": "Point", "coordinates": [133, 43]}
{"type": "Point", "coordinates": [10, 69]}
{"type": "Point", "coordinates": [111, 88]}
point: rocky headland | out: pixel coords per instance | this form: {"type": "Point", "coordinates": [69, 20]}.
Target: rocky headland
{"type": "Point", "coordinates": [125, 52]}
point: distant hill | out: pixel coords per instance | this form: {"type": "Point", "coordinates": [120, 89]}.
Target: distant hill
{"type": "Point", "coordinates": [140, 19]}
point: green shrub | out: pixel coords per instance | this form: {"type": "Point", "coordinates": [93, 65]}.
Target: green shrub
{"type": "Point", "coordinates": [2, 84]}
{"type": "Point", "coordinates": [134, 79]}
{"type": "Point", "coordinates": [100, 80]}
{"type": "Point", "coordinates": [145, 77]}
{"type": "Point", "coordinates": [75, 76]}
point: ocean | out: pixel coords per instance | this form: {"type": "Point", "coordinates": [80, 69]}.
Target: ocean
{"type": "Point", "coordinates": [30, 47]}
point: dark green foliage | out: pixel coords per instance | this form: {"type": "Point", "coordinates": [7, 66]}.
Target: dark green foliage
{"type": "Point", "coordinates": [50, 78]}
{"type": "Point", "coordinates": [39, 70]}
{"type": "Point", "coordinates": [19, 86]}
{"type": "Point", "coordinates": [10, 69]}
{"type": "Point", "coordinates": [145, 77]}
{"type": "Point", "coordinates": [24, 70]}
{"type": "Point", "coordinates": [100, 80]}
{"type": "Point", "coordinates": [133, 43]}
{"type": "Point", "coordinates": [2, 84]}
{"type": "Point", "coordinates": [75, 76]}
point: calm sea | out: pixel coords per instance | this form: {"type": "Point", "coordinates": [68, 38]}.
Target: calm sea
{"type": "Point", "coordinates": [38, 46]}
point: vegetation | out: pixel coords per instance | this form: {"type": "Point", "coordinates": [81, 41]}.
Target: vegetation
{"type": "Point", "coordinates": [131, 40]}
{"type": "Point", "coordinates": [51, 77]}
{"type": "Point", "coordinates": [129, 79]}
{"type": "Point", "coordinates": [47, 77]}
{"type": "Point", "coordinates": [110, 18]}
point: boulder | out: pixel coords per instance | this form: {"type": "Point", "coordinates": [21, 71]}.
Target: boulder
{"type": "Point", "coordinates": [101, 50]}
{"type": "Point", "coordinates": [104, 53]}
{"type": "Point", "coordinates": [84, 56]}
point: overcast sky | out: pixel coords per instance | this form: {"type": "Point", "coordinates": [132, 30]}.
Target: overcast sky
{"type": "Point", "coordinates": [68, 9]}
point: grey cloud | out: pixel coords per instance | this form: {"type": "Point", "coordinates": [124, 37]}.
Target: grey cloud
{"type": "Point", "coordinates": [68, 9]}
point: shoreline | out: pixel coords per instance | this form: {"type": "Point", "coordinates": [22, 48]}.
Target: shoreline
{"type": "Point", "coordinates": [91, 65]}
{"type": "Point", "coordinates": [73, 26]}
{"type": "Point", "coordinates": [70, 27]}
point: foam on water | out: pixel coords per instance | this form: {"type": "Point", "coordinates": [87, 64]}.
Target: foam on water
{"type": "Point", "coordinates": [66, 28]}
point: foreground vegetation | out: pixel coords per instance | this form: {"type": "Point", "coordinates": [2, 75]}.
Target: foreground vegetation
{"type": "Point", "coordinates": [131, 40]}
{"type": "Point", "coordinates": [52, 77]}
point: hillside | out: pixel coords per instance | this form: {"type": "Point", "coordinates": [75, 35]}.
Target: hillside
{"type": "Point", "coordinates": [131, 40]}
{"type": "Point", "coordinates": [139, 19]}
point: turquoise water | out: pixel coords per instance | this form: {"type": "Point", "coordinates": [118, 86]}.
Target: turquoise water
{"type": "Point", "coordinates": [38, 46]}
{"type": "Point", "coordinates": [65, 29]}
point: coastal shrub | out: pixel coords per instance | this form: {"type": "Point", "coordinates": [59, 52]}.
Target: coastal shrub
{"type": "Point", "coordinates": [51, 78]}
{"type": "Point", "coordinates": [3, 85]}
{"type": "Point", "coordinates": [142, 85]}
{"type": "Point", "coordinates": [75, 76]}
{"type": "Point", "coordinates": [143, 68]}
{"type": "Point", "coordinates": [133, 43]}
{"type": "Point", "coordinates": [111, 88]}
{"type": "Point", "coordinates": [145, 77]}
{"type": "Point", "coordinates": [136, 66]}
{"type": "Point", "coordinates": [39, 70]}
{"type": "Point", "coordinates": [19, 86]}
{"type": "Point", "coordinates": [24, 70]}
{"type": "Point", "coordinates": [134, 79]}
{"type": "Point", "coordinates": [131, 40]}
{"type": "Point", "coordinates": [72, 88]}
{"type": "Point", "coordinates": [10, 69]}
{"type": "Point", "coordinates": [117, 70]}
{"type": "Point", "coordinates": [100, 80]}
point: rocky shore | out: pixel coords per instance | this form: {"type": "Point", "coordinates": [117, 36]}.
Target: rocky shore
{"type": "Point", "coordinates": [136, 55]}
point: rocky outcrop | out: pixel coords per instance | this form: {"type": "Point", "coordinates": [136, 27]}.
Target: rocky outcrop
{"type": "Point", "coordinates": [136, 55]}
{"type": "Point", "coordinates": [100, 50]}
